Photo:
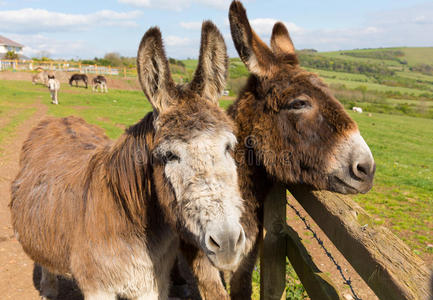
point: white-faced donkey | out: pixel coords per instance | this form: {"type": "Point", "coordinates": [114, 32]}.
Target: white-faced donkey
{"type": "Point", "coordinates": [111, 213]}
{"type": "Point", "coordinates": [54, 87]}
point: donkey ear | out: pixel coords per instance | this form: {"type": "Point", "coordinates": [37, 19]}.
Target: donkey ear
{"type": "Point", "coordinates": [211, 74]}
{"type": "Point", "coordinates": [255, 54]}
{"type": "Point", "coordinates": [153, 71]}
{"type": "Point", "coordinates": [282, 44]}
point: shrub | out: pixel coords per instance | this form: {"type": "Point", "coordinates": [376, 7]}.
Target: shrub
{"type": "Point", "coordinates": [11, 55]}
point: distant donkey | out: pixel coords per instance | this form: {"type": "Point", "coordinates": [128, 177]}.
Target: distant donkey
{"type": "Point", "coordinates": [111, 213]}
{"type": "Point", "coordinates": [291, 130]}
{"type": "Point", "coordinates": [101, 83]}
{"type": "Point", "coordinates": [78, 77]}
{"type": "Point", "coordinates": [54, 87]}
{"type": "Point", "coordinates": [40, 77]}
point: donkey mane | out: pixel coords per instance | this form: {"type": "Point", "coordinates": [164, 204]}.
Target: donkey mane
{"type": "Point", "coordinates": [126, 165]}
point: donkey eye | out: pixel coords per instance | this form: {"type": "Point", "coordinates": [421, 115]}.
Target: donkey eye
{"type": "Point", "coordinates": [228, 148]}
{"type": "Point", "coordinates": [170, 156]}
{"type": "Point", "coordinates": [298, 104]}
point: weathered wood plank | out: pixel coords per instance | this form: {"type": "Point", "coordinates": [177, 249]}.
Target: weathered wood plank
{"type": "Point", "coordinates": [273, 246]}
{"type": "Point", "coordinates": [317, 284]}
{"type": "Point", "coordinates": [386, 264]}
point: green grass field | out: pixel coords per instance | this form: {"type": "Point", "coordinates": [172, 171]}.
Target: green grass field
{"type": "Point", "coordinates": [402, 198]}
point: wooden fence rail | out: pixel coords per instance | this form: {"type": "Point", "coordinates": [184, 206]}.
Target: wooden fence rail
{"type": "Point", "coordinates": [66, 66]}
{"type": "Point", "coordinates": [385, 263]}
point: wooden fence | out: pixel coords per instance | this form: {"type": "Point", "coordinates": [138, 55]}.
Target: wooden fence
{"type": "Point", "coordinates": [66, 66]}
{"type": "Point", "coordinates": [384, 262]}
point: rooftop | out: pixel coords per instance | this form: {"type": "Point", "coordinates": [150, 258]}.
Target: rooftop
{"type": "Point", "coordinates": [7, 42]}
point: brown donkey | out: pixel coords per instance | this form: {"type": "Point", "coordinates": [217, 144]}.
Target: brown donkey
{"type": "Point", "coordinates": [290, 130]}
{"type": "Point", "coordinates": [110, 214]}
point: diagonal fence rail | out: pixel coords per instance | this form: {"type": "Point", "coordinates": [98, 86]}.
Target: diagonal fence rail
{"type": "Point", "coordinates": [384, 262]}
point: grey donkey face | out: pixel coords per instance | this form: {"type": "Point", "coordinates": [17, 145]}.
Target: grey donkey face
{"type": "Point", "coordinates": [193, 144]}
{"type": "Point", "coordinates": [202, 174]}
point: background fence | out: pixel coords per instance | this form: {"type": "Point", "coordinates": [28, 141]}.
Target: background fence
{"type": "Point", "coordinates": [66, 66]}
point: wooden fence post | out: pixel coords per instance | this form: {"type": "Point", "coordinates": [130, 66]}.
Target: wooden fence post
{"type": "Point", "coordinates": [124, 72]}
{"type": "Point", "coordinates": [79, 67]}
{"type": "Point", "coordinates": [273, 246]}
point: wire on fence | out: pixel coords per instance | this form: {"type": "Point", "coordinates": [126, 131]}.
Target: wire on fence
{"type": "Point", "coordinates": [346, 281]}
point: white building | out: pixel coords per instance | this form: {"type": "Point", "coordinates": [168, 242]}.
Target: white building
{"type": "Point", "coordinates": [9, 45]}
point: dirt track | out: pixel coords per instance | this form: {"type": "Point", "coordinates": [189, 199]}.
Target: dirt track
{"type": "Point", "coordinates": [16, 281]}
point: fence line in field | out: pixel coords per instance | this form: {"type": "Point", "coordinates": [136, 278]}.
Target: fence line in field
{"type": "Point", "coordinates": [65, 66]}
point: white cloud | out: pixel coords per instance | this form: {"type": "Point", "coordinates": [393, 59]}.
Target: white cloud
{"type": "Point", "coordinates": [177, 4]}
{"type": "Point", "coordinates": [191, 25]}
{"type": "Point", "coordinates": [29, 20]}
{"type": "Point", "coordinates": [37, 43]}
{"type": "Point", "coordinates": [264, 26]}
{"type": "Point", "coordinates": [410, 26]}
{"type": "Point", "coordinates": [400, 27]}
{"type": "Point", "coordinates": [172, 40]}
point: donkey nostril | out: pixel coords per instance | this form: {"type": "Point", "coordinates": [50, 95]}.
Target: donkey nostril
{"type": "Point", "coordinates": [362, 169]}
{"type": "Point", "coordinates": [213, 243]}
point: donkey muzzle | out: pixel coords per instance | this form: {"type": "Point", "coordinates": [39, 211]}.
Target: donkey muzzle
{"type": "Point", "coordinates": [225, 244]}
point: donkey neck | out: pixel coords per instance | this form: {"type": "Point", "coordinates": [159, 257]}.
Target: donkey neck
{"type": "Point", "coordinates": [255, 183]}
{"type": "Point", "coordinates": [126, 168]}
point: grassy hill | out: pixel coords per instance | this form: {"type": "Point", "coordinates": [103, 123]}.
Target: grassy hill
{"type": "Point", "coordinates": [386, 80]}
{"type": "Point", "coordinates": [412, 56]}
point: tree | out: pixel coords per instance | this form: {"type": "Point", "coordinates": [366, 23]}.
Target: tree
{"type": "Point", "coordinates": [11, 55]}
{"type": "Point", "coordinates": [114, 59]}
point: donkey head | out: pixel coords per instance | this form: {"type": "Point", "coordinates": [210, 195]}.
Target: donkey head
{"type": "Point", "coordinates": [298, 131]}
{"type": "Point", "coordinates": [195, 173]}
{"type": "Point", "coordinates": [51, 82]}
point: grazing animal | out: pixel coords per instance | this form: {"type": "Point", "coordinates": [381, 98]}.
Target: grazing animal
{"type": "Point", "coordinates": [111, 213]}
{"type": "Point", "coordinates": [78, 77]}
{"type": "Point", "coordinates": [357, 109]}
{"type": "Point", "coordinates": [291, 130]}
{"type": "Point", "coordinates": [101, 83]}
{"type": "Point", "coordinates": [54, 87]}
{"type": "Point", "coordinates": [40, 77]}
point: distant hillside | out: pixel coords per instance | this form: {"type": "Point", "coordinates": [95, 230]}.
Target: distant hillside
{"type": "Point", "coordinates": [386, 80]}
{"type": "Point", "coordinates": [411, 56]}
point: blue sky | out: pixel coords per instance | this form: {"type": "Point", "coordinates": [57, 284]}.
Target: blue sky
{"type": "Point", "coordinates": [85, 29]}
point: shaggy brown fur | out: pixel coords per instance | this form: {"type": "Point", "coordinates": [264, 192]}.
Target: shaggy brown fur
{"type": "Point", "coordinates": [85, 206]}
{"type": "Point", "coordinates": [41, 77]}
{"type": "Point", "coordinates": [289, 127]}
